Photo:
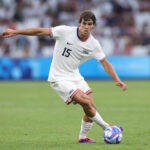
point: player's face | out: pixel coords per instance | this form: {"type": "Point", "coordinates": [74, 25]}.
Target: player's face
{"type": "Point", "coordinates": [85, 27]}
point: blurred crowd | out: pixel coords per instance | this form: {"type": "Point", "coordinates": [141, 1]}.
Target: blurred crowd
{"type": "Point", "coordinates": [123, 26]}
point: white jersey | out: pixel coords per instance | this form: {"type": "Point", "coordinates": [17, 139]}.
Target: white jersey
{"type": "Point", "coordinates": [70, 52]}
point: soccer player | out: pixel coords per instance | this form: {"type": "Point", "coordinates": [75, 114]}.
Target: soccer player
{"type": "Point", "coordinates": [74, 45]}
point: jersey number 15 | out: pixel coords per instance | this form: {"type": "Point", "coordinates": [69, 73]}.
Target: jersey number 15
{"type": "Point", "coordinates": [66, 52]}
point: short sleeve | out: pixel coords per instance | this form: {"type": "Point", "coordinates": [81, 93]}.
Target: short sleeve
{"type": "Point", "coordinates": [98, 52]}
{"type": "Point", "coordinates": [58, 31]}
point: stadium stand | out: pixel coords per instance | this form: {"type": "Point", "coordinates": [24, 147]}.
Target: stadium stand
{"type": "Point", "coordinates": [123, 27]}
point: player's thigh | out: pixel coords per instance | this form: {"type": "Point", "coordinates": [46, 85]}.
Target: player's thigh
{"type": "Point", "coordinates": [85, 93]}
{"type": "Point", "coordinates": [87, 90]}
{"type": "Point", "coordinates": [81, 98]}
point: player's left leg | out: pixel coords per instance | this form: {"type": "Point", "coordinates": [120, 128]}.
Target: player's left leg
{"type": "Point", "coordinates": [86, 123]}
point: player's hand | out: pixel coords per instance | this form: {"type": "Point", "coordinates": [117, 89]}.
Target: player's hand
{"type": "Point", "coordinates": [122, 85]}
{"type": "Point", "coordinates": [8, 33]}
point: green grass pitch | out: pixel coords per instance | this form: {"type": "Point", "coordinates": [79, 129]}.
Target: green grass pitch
{"type": "Point", "coordinates": [33, 117]}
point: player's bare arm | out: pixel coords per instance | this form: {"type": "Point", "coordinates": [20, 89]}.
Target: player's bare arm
{"type": "Point", "coordinates": [30, 31]}
{"type": "Point", "coordinates": [110, 70]}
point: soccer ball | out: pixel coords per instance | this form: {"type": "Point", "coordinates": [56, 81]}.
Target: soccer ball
{"type": "Point", "coordinates": [112, 135]}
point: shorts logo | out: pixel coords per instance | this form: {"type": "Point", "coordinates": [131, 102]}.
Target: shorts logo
{"type": "Point", "coordinates": [71, 91]}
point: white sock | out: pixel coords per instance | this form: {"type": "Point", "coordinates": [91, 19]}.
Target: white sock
{"type": "Point", "coordinates": [85, 127]}
{"type": "Point", "coordinates": [98, 119]}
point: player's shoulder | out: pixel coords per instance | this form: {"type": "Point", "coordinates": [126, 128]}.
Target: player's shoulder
{"type": "Point", "coordinates": [61, 31]}
{"type": "Point", "coordinates": [64, 27]}
{"type": "Point", "coordinates": [93, 40]}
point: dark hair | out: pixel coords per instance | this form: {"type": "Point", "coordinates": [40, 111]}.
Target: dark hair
{"type": "Point", "coordinates": [86, 15]}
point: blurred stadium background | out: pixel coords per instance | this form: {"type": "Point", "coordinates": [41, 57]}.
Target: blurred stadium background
{"type": "Point", "coordinates": [123, 29]}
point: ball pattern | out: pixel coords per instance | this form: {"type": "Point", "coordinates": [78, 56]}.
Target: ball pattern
{"type": "Point", "coordinates": [112, 135]}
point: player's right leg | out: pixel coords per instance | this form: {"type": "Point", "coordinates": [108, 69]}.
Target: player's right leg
{"type": "Point", "coordinates": [90, 110]}
{"type": "Point", "coordinates": [86, 101]}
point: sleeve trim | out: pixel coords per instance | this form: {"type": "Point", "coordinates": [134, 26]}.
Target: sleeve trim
{"type": "Point", "coordinates": [102, 60]}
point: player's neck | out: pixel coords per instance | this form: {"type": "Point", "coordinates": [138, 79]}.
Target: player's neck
{"type": "Point", "coordinates": [81, 36]}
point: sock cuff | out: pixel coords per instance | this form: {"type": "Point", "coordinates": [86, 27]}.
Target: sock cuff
{"type": "Point", "coordinates": [87, 123]}
{"type": "Point", "coordinates": [92, 118]}
{"type": "Point", "coordinates": [99, 120]}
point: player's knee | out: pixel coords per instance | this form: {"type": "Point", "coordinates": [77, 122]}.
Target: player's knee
{"type": "Point", "coordinates": [91, 103]}
{"type": "Point", "coordinates": [87, 104]}
{"type": "Point", "coordinates": [94, 106]}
